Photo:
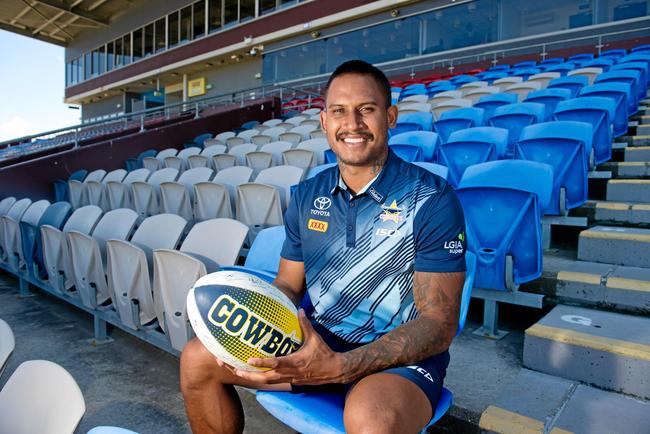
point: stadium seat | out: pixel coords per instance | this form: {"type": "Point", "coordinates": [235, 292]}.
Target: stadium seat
{"type": "Point", "coordinates": [599, 112]}
{"type": "Point", "coordinates": [136, 163]}
{"type": "Point", "coordinates": [525, 64]}
{"type": "Point", "coordinates": [444, 106]}
{"type": "Point", "coordinates": [61, 186]}
{"type": "Point", "coordinates": [643, 48]}
{"type": "Point", "coordinates": [466, 147]}
{"type": "Point", "coordinates": [40, 397]}
{"type": "Point", "coordinates": [7, 344]}
{"type": "Point", "coordinates": [128, 268]}
{"type": "Point", "coordinates": [562, 68]}
{"type": "Point", "coordinates": [179, 161]}
{"type": "Point", "coordinates": [641, 67]}
{"type": "Point", "coordinates": [473, 85]}
{"type": "Point", "coordinates": [177, 197]}
{"type": "Point", "coordinates": [322, 412]}
{"type": "Point", "coordinates": [302, 158]}
{"type": "Point", "coordinates": [120, 194]}
{"type": "Point", "coordinates": [504, 82]}
{"type": "Point", "coordinates": [222, 137]}
{"type": "Point", "coordinates": [211, 200]}
{"type": "Point", "coordinates": [477, 93]}
{"type": "Point", "coordinates": [462, 79]}
{"type": "Point", "coordinates": [514, 117]}
{"type": "Point", "coordinates": [240, 152]}
{"type": "Point", "coordinates": [212, 142]}
{"type": "Point", "coordinates": [258, 160]}
{"type": "Point", "coordinates": [631, 77]}
{"type": "Point", "coordinates": [247, 134]}
{"type": "Point", "coordinates": [543, 78]}
{"type": "Point", "coordinates": [602, 63]}
{"type": "Point", "coordinates": [77, 191]}
{"type": "Point", "coordinates": [552, 61]}
{"type": "Point", "coordinates": [458, 119]}
{"type": "Point", "coordinates": [613, 54]}
{"type": "Point", "coordinates": [565, 146]}
{"type": "Point", "coordinates": [574, 84]}
{"type": "Point", "coordinates": [282, 178]}
{"type": "Point", "coordinates": [523, 89]}
{"type": "Point", "coordinates": [617, 92]}
{"type": "Point", "coordinates": [13, 216]}
{"type": "Point", "coordinates": [296, 120]}
{"type": "Point", "coordinates": [499, 68]}
{"type": "Point", "coordinates": [272, 122]}
{"type": "Point", "coordinates": [414, 89]}
{"type": "Point", "coordinates": [413, 107]}
{"type": "Point", "coordinates": [146, 195]}
{"type": "Point", "coordinates": [231, 142]}
{"type": "Point", "coordinates": [415, 98]}
{"type": "Point", "coordinates": [318, 169]}
{"type": "Point", "coordinates": [96, 192]}
{"type": "Point", "coordinates": [581, 58]}
{"type": "Point", "coordinates": [425, 140]}
{"type": "Point", "coordinates": [175, 271]}
{"type": "Point", "coordinates": [32, 244]}
{"type": "Point", "coordinates": [303, 130]}
{"type": "Point", "coordinates": [590, 73]}
{"type": "Point", "coordinates": [204, 159]}
{"type": "Point", "coordinates": [422, 121]}
{"type": "Point", "coordinates": [317, 146]}
{"type": "Point", "coordinates": [437, 87]}
{"type": "Point", "coordinates": [524, 73]}
{"type": "Point", "coordinates": [445, 96]}
{"type": "Point", "coordinates": [502, 201]}
{"type": "Point", "coordinates": [550, 98]}
{"type": "Point", "coordinates": [201, 138]}
{"type": "Point", "coordinates": [436, 169]}
{"type": "Point", "coordinates": [6, 204]}
{"type": "Point", "coordinates": [490, 76]}
{"type": "Point", "coordinates": [231, 178]}
{"type": "Point", "coordinates": [12, 239]}
{"type": "Point", "coordinates": [88, 254]}
{"type": "Point", "coordinates": [258, 206]}
{"type": "Point", "coordinates": [293, 138]}
{"type": "Point", "coordinates": [249, 125]}
{"type": "Point", "coordinates": [489, 103]}
{"type": "Point", "coordinates": [224, 161]}
{"type": "Point", "coordinates": [56, 252]}
{"type": "Point", "coordinates": [155, 163]}
{"type": "Point", "coordinates": [261, 139]}
{"type": "Point", "coordinates": [263, 259]}
{"type": "Point", "coordinates": [276, 149]}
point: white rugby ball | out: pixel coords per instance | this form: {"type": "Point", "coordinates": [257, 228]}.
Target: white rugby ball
{"type": "Point", "coordinates": [238, 316]}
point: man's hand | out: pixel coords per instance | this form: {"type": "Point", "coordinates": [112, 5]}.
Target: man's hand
{"type": "Point", "coordinates": [313, 364]}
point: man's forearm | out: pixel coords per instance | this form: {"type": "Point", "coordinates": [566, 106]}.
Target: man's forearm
{"type": "Point", "coordinates": [407, 344]}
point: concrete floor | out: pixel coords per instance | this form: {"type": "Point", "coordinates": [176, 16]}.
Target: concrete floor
{"type": "Point", "coordinates": [132, 384]}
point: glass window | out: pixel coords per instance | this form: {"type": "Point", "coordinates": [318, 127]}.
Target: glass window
{"type": "Point", "coordinates": [95, 62]}
{"type": "Point", "coordinates": [172, 29]}
{"type": "Point", "coordinates": [87, 65]}
{"type": "Point", "coordinates": [119, 52]}
{"type": "Point", "coordinates": [267, 6]}
{"type": "Point", "coordinates": [616, 10]}
{"type": "Point", "coordinates": [186, 24]}
{"type": "Point", "coordinates": [285, 3]}
{"type": "Point", "coordinates": [198, 10]}
{"type": "Point", "coordinates": [246, 10]}
{"type": "Point", "coordinates": [68, 74]}
{"type": "Point", "coordinates": [214, 17]}
{"type": "Point", "coordinates": [137, 44]}
{"type": "Point", "coordinates": [148, 40]}
{"type": "Point", "coordinates": [230, 11]}
{"type": "Point", "coordinates": [110, 56]}
{"type": "Point", "coordinates": [160, 39]}
{"type": "Point", "coordinates": [302, 61]}
{"type": "Point", "coordinates": [533, 18]}
{"type": "Point", "coordinates": [126, 46]}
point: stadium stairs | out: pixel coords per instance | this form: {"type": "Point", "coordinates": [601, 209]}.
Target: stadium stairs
{"type": "Point", "coordinates": [586, 364]}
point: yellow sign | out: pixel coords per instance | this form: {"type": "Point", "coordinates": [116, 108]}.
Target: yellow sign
{"type": "Point", "coordinates": [196, 87]}
{"type": "Point", "coordinates": [317, 225]}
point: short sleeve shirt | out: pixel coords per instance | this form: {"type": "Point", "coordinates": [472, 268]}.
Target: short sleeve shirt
{"type": "Point", "coordinates": [360, 252]}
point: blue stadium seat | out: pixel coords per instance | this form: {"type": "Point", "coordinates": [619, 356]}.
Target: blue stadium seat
{"type": "Point", "coordinates": [642, 67]}
{"type": "Point", "coordinates": [439, 86]}
{"type": "Point", "coordinates": [502, 201]}
{"type": "Point", "coordinates": [550, 98]}
{"type": "Point", "coordinates": [436, 169]}
{"type": "Point", "coordinates": [55, 215]}
{"type": "Point", "coordinates": [458, 119]}
{"type": "Point", "coordinates": [525, 72]}
{"type": "Point", "coordinates": [203, 137]}
{"type": "Point", "coordinates": [404, 127]}
{"type": "Point", "coordinates": [318, 169]}
{"type": "Point", "coordinates": [552, 61]}
{"type": "Point", "coordinates": [601, 62]}
{"type": "Point", "coordinates": [61, 186]}
{"type": "Point", "coordinates": [462, 79]}
{"type": "Point", "coordinates": [250, 124]}
{"type": "Point", "coordinates": [489, 103]}
{"type": "Point", "coordinates": [514, 117]}
{"type": "Point", "coordinates": [562, 68]}
{"type": "Point", "coordinates": [422, 119]}
{"type": "Point", "coordinates": [132, 164]}
{"type": "Point", "coordinates": [630, 76]}
{"type": "Point", "coordinates": [322, 412]}
{"type": "Point", "coordinates": [263, 258]}
{"type": "Point", "coordinates": [471, 146]}
{"type": "Point", "coordinates": [565, 146]}
{"type": "Point", "coordinates": [599, 112]}
{"type": "Point", "coordinates": [426, 140]}
{"type": "Point", "coordinates": [644, 48]}
{"type": "Point", "coordinates": [490, 76]}
{"type": "Point", "coordinates": [414, 89]}
{"type": "Point", "coordinates": [581, 58]}
{"type": "Point", "coordinates": [408, 153]}
{"type": "Point", "coordinates": [573, 83]}
{"type": "Point", "coordinates": [613, 54]}
{"type": "Point", "coordinates": [525, 64]}
{"type": "Point", "coordinates": [619, 93]}
{"type": "Point", "coordinates": [499, 68]}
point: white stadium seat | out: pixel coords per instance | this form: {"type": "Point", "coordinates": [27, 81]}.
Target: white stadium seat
{"type": "Point", "coordinates": [96, 192]}
{"type": "Point", "coordinates": [223, 161]}
{"type": "Point", "coordinates": [272, 122]}
{"type": "Point", "coordinates": [179, 161]}
{"type": "Point", "coordinates": [276, 149]}
{"type": "Point", "coordinates": [317, 146]}
{"type": "Point", "coordinates": [281, 177]}
{"type": "Point", "coordinates": [240, 152]}
{"type": "Point", "coordinates": [14, 214]}
{"type": "Point", "coordinates": [231, 178]}
{"type": "Point", "coordinates": [258, 160]}
{"type": "Point", "coordinates": [261, 139]}
{"type": "Point", "coordinates": [274, 133]}
{"type": "Point", "coordinates": [176, 197]}
{"type": "Point", "coordinates": [11, 235]}
{"type": "Point", "coordinates": [211, 200]}
{"type": "Point", "coordinates": [258, 206]}
{"type": "Point", "coordinates": [247, 134]}
{"type": "Point", "coordinates": [120, 194]}
{"type": "Point", "coordinates": [523, 89]}
{"type": "Point", "coordinates": [146, 195]}
{"type": "Point", "coordinates": [293, 138]}
{"type": "Point", "coordinates": [222, 137]}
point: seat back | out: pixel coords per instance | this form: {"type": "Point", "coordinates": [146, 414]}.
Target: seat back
{"type": "Point", "coordinates": [55, 216]}
{"type": "Point", "coordinates": [317, 146]}
{"type": "Point", "coordinates": [6, 204]}
{"type": "Point", "coordinates": [442, 107]}
{"type": "Point", "coordinates": [222, 137]}
{"type": "Point", "coordinates": [12, 236]}
{"type": "Point", "coordinates": [543, 78]}
{"type": "Point", "coordinates": [489, 103]}
{"type": "Point", "coordinates": [293, 138]}
{"type": "Point", "coordinates": [501, 201]}
{"type": "Point", "coordinates": [40, 397]}
{"type": "Point", "coordinates": [573, 83]}
{"type": "Point", "coordinates": [303, 130]}
{"type": "Point", "coordinates": [458, 119]}
{"type": "Point", "coordinates": [211, 200]}
{"type": "Point", "coordinates": [7, 344]}
{"type": "Point", "coordinates": [436, 169]}
{"type": "Point", "coordinates": [523, 89]}
{"type": "Point", "coordinates": [550, 98]}
{"type": "Point", "coordinates": [275, 132]}
{"type": "Point", "coordinates": [240, 152]}
{"type": "Point", "coordinates": [425, 140]}
{"type": "Point", "coordinates": [228, 234]}
{"type": "Point", "coordinates": [301, 158]}
{"type": "Point", "coordinates": [283, 178]}
{"type": "Point", "coordinates": [590, 73]}
{"type": "Point", "coordinates": [276, 149]}
{"type": "Point", "coordinates": [619, 93]}
{"type": "Point", "coordinates": [514, 117]}
{"type": "Point", "coordinates": [119, 194]}
{"type": "Point", "coordinates": [247, 134]}
{"type": "Point", "coordinates": [258, 206]}
{"type": "Point", "coordinates": [475, 93]}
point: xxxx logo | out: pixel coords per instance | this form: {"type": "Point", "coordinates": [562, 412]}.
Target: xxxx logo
{"type": "Point", "coordinates": [317, 225]}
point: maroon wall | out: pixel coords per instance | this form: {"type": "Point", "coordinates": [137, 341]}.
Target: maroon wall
{"type": "Point", "coordinates": [34, 178]}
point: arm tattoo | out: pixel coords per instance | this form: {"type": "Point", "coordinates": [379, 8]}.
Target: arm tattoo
{"type": "Point", "coordinates": [437, 299]}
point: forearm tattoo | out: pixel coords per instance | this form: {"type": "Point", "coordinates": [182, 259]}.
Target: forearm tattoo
{"type": "Point", "coordinates": [437, 298]}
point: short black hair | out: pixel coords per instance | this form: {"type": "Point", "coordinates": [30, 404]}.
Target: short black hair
{"type": "Point", "coordinates": [363, 68]}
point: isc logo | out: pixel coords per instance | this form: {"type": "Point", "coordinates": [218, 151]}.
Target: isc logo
{"type": "Point", "coordinates": [392, 233]}
{"type": "Point", "coordinates": [317, 225]}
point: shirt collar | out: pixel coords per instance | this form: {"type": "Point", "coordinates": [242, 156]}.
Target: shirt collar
{"type": "Point", "coordinates": [379, 187]}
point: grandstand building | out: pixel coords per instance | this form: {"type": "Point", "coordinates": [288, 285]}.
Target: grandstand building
{"type": "Point", "coordinates": [199, 117]}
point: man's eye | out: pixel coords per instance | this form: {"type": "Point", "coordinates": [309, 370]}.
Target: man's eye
{"type": "Point", "coordinates": [337, 111]}
{"type": "Point", "coordinates": [366, 110]}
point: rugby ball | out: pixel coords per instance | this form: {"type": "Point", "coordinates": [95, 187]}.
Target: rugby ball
{"type": "Point", "coordinates": [238, 316]}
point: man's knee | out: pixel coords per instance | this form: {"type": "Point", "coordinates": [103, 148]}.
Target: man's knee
{"type": "Point", "coordinates": [360, 418]}
{"type": "Point", "coordinates": [198, 366]}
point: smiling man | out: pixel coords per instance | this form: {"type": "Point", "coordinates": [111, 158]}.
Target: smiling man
{"type": "Point", "coordinates": [367, 241]}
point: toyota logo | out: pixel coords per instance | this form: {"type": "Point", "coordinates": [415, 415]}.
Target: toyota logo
{"type": "Point", "coordinates": [322, 203]}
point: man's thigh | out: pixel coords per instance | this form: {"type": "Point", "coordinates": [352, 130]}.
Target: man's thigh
{"type": "Point", "coordinates": [386, 403]}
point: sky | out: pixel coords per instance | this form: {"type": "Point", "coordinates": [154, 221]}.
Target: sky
{"type": "Point", "coordinates": [32, 77]}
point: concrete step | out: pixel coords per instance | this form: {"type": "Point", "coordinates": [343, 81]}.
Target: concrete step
{"type": "Point", "coordinates": [605, 349]}
{"type": "Point", "coordinates": [643, 119]}
{"type": "Point", "coordinates": [643, 130]}
{"type": "Point", "coordinates": [628, 190]}
{"type": "Point", "coordinates": [619, 213]}
{"type": "Point", "coordinates": [541, 403]}
{"type": "Point", "coordinates": [627, 169]}
{"type": "Point", "coordinates": [637, 152]}
{"type": "Point", "coordinates": [635, 140]}
{"type": "Point", "coordinates": [615, 245]}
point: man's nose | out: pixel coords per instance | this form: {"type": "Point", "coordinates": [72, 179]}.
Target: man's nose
{"type": "Point", "coordinates": [354, 120]}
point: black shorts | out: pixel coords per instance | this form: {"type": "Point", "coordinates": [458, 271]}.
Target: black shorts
{"type": "Point", "coordinates": [427, 374]}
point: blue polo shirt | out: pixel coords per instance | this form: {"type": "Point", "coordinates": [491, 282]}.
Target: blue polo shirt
{"type": "Point", "coordinates": [359, 252]}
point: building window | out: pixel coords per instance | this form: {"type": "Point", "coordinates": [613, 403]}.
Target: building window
{"type": "Point", "coordinates": [246, 10]}
{"type": "Point", "coordinates": [137, 44]}
{"type": "Point", "coordinates": [110, 56]}
{"type": "Point", "coordinates": [230, 12]}
{"type": "Point", "coordinates": [160, 39]}
{"type": "Point", "coordinates": [198, 11]}
{"type": "Point", "coordinates": [148, 40]}
{"type": "Point", "coordinates": [172, 29]}
{"type": "Point", "coordinates": [215, 18]}
{"type": "Point", "coordinates": [126, 47]}
{"type": "Point", "coordinates": [267, 6]}
{"type": "Point", "coordinates": [186, 24]}
{"type": "Point", "coordinates": [119, 52]}
{"type": "Point", "coordinates": [87, 66]}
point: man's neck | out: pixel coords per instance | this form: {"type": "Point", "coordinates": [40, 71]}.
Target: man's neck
{"type": "Point", "coordinates": [357, 177]}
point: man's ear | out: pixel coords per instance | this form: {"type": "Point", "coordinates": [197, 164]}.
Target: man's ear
{"type": "Point", "coordinates": [392, 116]}
{"type": "Point", "coordinates": [323, 119]}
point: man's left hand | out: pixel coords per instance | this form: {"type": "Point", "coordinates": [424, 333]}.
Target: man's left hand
{"type": "Point", "coordinates": [313, 364]}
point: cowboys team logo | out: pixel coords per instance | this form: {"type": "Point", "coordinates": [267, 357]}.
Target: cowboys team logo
{"type": "Point", "coordinates": [392, 213]}
{"type": "Point", "coordinates": [321, 205]}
